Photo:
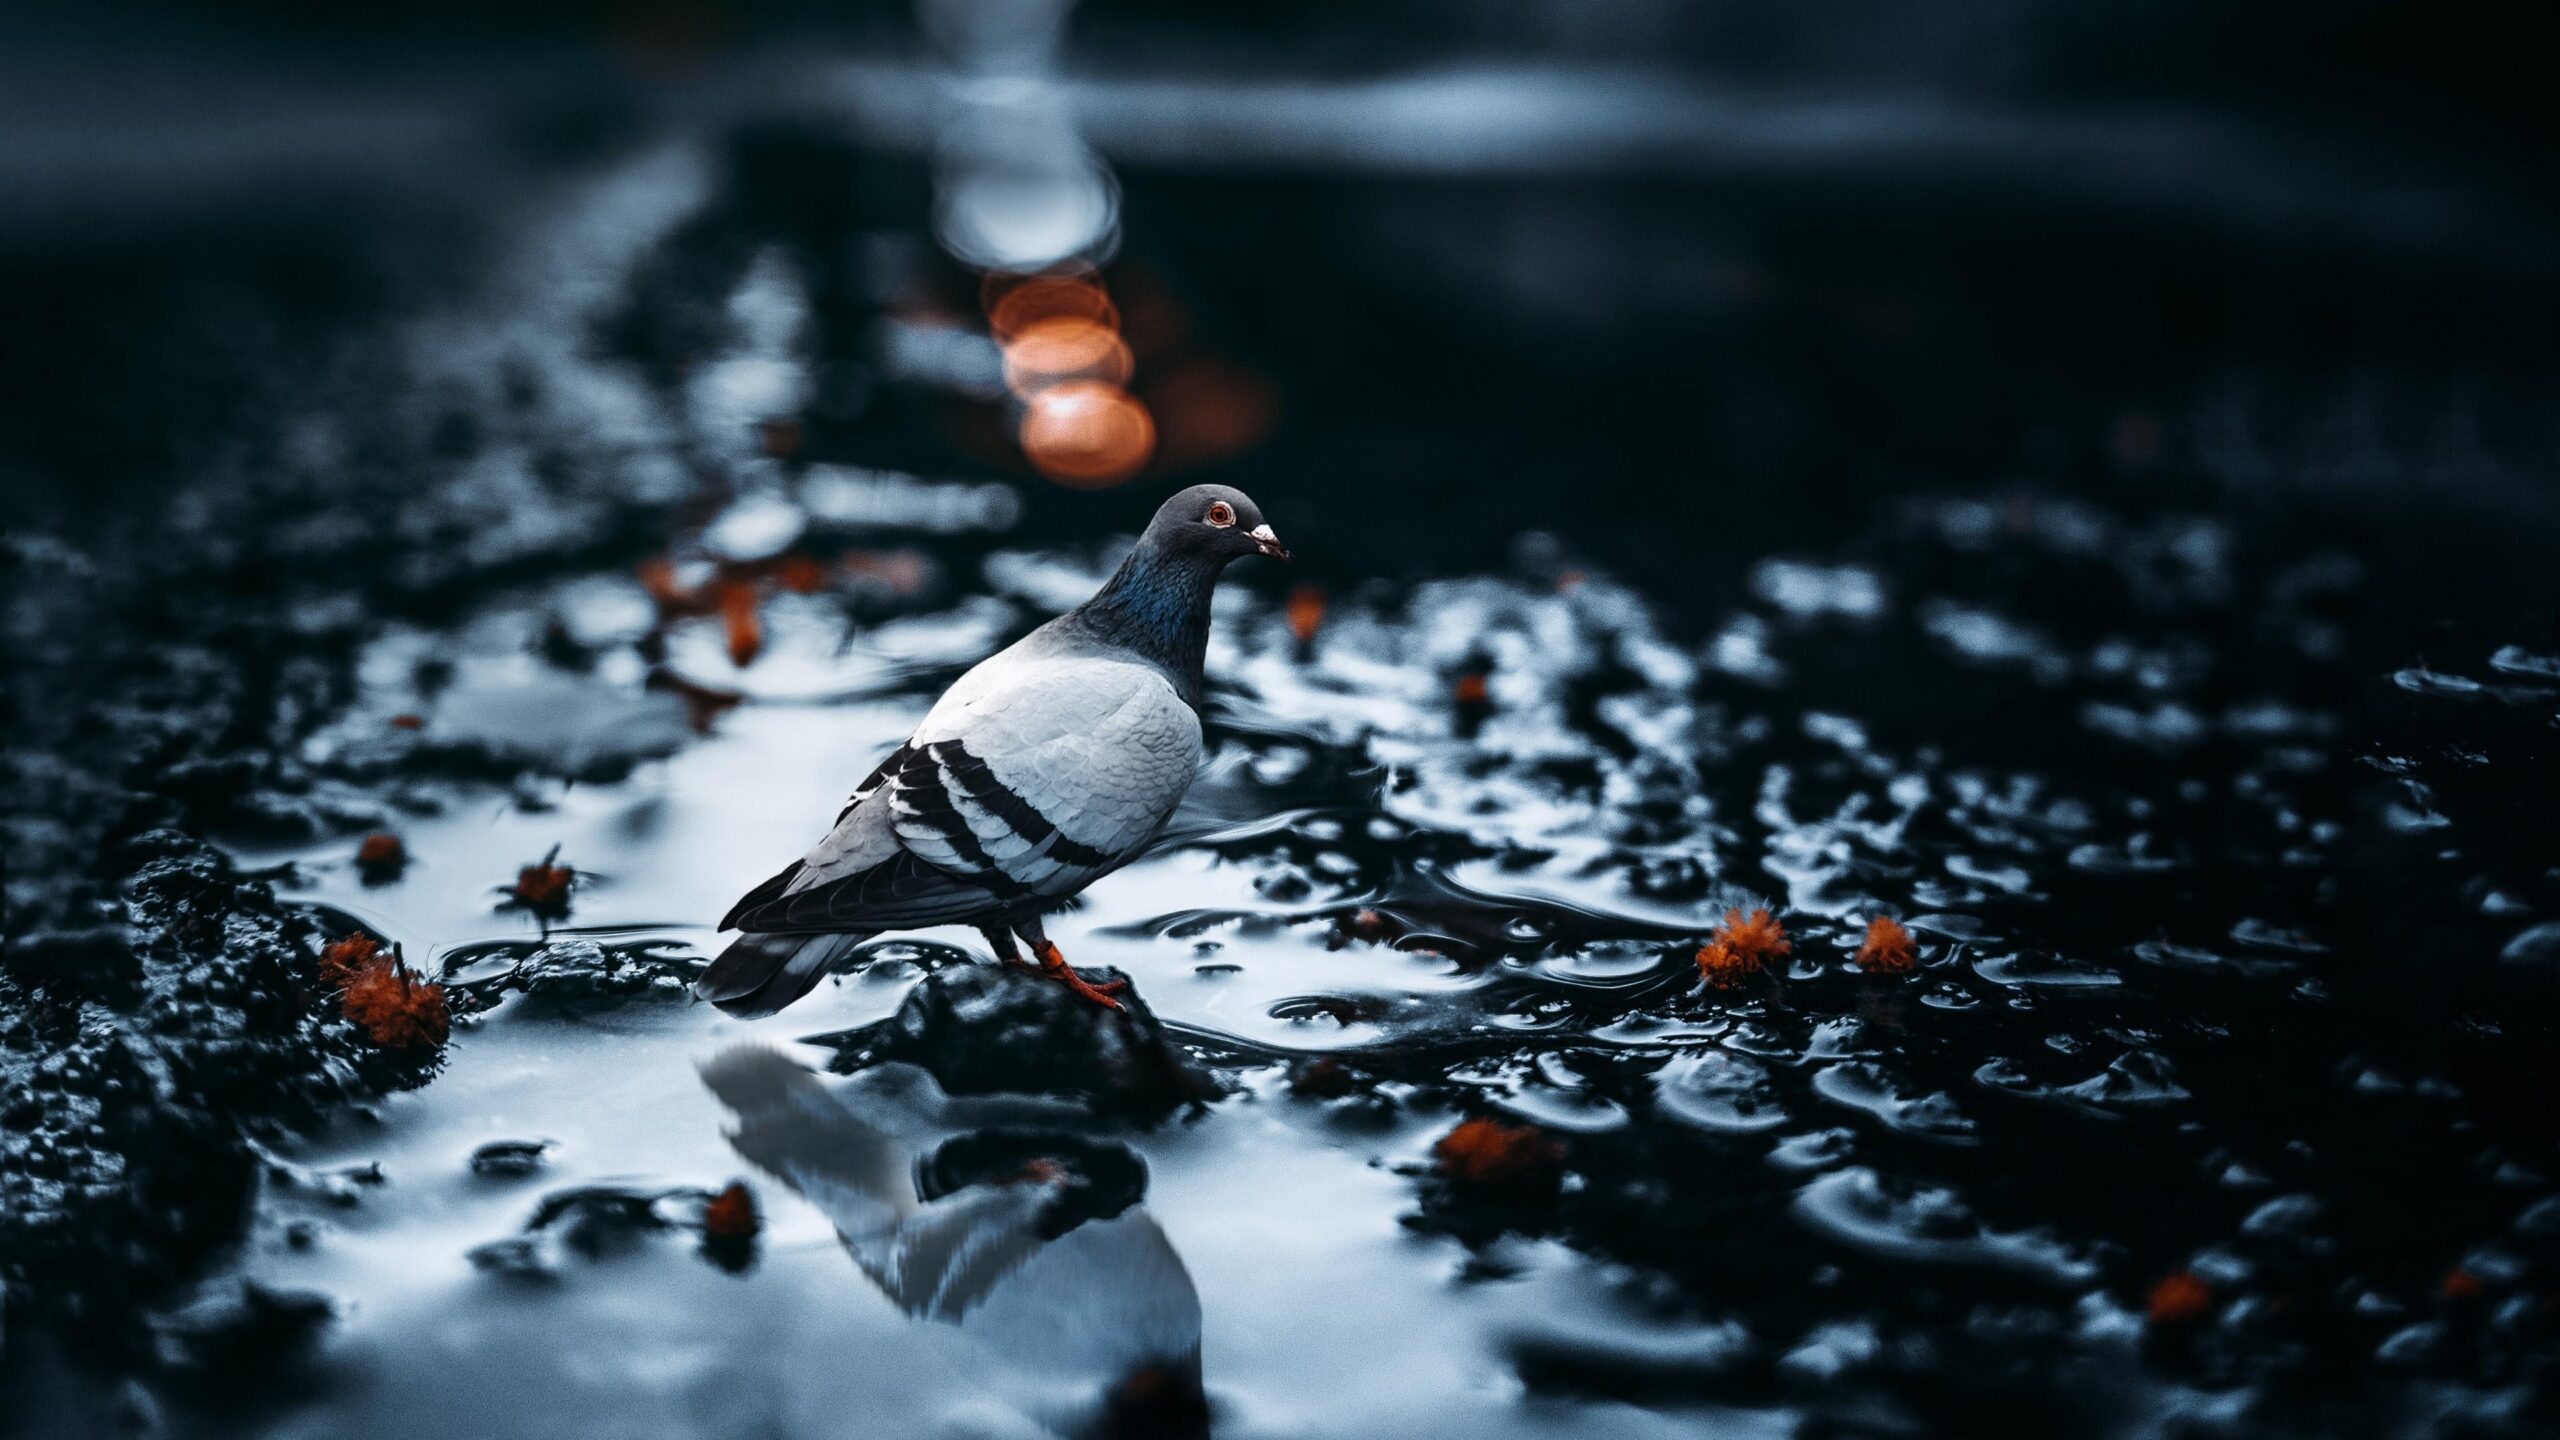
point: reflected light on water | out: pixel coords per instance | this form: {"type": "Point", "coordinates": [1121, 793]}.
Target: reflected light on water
{"type": "Point", "coordinates": [1055, 351]}
{"type": "Point", "coordinates": [1015, 186]}
{"type": "Point", "coordinates": [1021, 198]}
{"type": "Point", "coordinates": [1015, 303]}
{"type": "Point", "coordinates": [1023, 201]}
{"type": "Point", "coordinates": [1087, 432]}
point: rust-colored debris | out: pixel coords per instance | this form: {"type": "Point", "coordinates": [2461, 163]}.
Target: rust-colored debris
{"type": "Point", "coordinates": [800, 574]}
{"type": "Point", "coordinates": [738, 614]}
{"type": "Point", "coordinates": [1888, 949]}
{"type": "Point", "coordinates": [1364, 925]}
{"type": "Point", "coordinates": [1306, 613]}
{"type": "Point", "coordinates": [780, 439]}
{"type": "Point", "coordinates": [731, 1215]}
{"type": "Point", "coordinates": [405, 721]}
{"type": "Point", "coordinates": [1472, 689]}
{"type": "Point", "coordinates": [657, 575]}
{"type": "Point", "coordinates": [381, 853]}
{"type": "Point", "coordinates": [342, 959]}
{"type": "Point", "coordinates": [1039, 1170]}
{"type": "Point", "coordinates": [1322, 1077]}
{"type": "Point", "coordinates": [2179, 1299]}
{"type": "Point", "coordinates": [397, 1010]}
{"type": "Point", "coordinates": [1743, 946]}
{"type": "Point", "coordinates": [544, 886]}
{"type": "Point", "coordinates": [901, 572]}
{"type": "Point", "coordinates": [393, 1008]}
{"type": "Point", "coordinates": [2460, 1284]}
{"type": "Point", "coordinates": [1491, 1154]}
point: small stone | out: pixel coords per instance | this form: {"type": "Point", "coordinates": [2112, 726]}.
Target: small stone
{"type": "Point", "coordinates": [981, 1030]}
{"type": "Point", "coordinates": [2537, 945]}
{"type": "Point", "coordinates": [509, 1159]}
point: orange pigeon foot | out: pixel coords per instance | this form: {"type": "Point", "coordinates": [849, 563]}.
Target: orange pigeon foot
{"type": "Point", "coordinates": [1054, 965]}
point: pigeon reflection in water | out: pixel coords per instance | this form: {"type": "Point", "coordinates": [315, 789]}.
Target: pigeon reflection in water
{"type": "Point", "coordinates": [1066, 1308]}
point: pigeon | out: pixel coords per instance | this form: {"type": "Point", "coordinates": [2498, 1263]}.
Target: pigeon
{"type": "Point", "coordinates": [1049, 765]}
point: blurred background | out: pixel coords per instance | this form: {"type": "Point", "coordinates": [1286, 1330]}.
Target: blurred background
{"type": "Point", "coordinates": [1665, 277]}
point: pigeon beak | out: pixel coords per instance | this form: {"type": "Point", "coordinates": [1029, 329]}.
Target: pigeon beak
{"type": "Point", "coordinates": [1269, 542]}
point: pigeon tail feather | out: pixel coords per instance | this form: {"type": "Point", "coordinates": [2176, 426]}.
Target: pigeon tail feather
{"type": "Point", "coordinates": [759, 974]}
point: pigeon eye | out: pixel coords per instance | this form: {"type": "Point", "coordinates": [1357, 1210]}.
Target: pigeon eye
{"type": "Point", "coordinates": [1221, 514]}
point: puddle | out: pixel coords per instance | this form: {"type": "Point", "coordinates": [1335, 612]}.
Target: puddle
{"type": "Point", "coordinates": [1447, 916]}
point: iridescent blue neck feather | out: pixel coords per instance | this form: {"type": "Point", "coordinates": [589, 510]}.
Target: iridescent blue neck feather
{"type": "Point", "coordinates": [1157, 605]}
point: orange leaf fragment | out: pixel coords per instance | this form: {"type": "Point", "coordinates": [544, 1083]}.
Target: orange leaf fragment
{"type": "Point", "coordinates": [381, 850]}
{"type": "Point", "coordinates": [731, 1215]}
{"type": "Point", "coordinates": [746, 630]}
{"type": "Point", "coordinates": [657, 575]}
{"type": "Point", "coordinates": [1306, 613]}
{"type": "Point", "coordinates": [2180, 1298]}
{"type": "Point", "coordinates": [1492, 1154]}
{"type": "Point", "coordinates": [1742, 947]}
{"type": "Point", "coordinates": [341, 960]}
{"type": "Point", "coordinates": [398, 1011]}
{"type": "Point", "coordinates": [544, 886]}
{"type": "Point", "coordinates": [1888, 949]}
{"type": "Point", "coordinates": [800, 574]}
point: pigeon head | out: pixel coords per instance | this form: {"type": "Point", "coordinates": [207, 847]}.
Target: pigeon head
{"type": "Point", "coordinates": [1215, 523]}
{"type": "Point", "coordinates": [1158, 603]}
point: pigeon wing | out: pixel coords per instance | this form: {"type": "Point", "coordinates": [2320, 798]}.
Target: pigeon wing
{"type": "Point", "coordinates": [1047, 777]}
{"type": "Point", "coordinates": [1030, 779]}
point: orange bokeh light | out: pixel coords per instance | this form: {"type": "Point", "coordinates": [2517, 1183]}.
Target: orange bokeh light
{"type": "Point", "coordinates": [1086, 432]}
{"type": "Point", "coordinates": [1028, 302]}
{"type": "Point", "coordinates": [1057, 350]}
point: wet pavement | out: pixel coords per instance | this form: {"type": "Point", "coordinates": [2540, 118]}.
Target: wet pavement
{"type": "Point", "coordinates": [1476, 1097]}
{"type": "Point", "coordinates": [2138, 1144]}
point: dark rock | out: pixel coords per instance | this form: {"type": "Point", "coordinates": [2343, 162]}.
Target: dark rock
{"type": "Point", "coordinates": [599, 1220]}
{"type": "Point", "coordinates": [509, 1159]}
{"type": "Point", "coordinates": [518, 1257]}
{"type": "Point", "coordinates": [567, 973]}
{"type": "Point", "coordinates": [2536, 946]}
{"type": "Point", "coordinates": [158, 1019]}
{"type": "Point", "coordinates": [984, 1030]}
{"type": "Point", "coordinates": [245, 1341]}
